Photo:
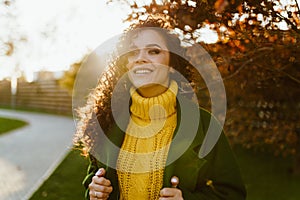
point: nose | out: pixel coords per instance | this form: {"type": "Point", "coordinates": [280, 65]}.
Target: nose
{"type": "Point", "coordinates": [140, 57]}
{"type": "Point", "coordinates": [137, 57]}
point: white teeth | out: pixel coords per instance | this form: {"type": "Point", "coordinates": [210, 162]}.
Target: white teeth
{"type": "Point", "coordinates": [142, 71]}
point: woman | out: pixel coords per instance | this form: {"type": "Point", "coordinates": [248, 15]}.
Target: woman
{"type": "Point", "coordinates": [134, 155]}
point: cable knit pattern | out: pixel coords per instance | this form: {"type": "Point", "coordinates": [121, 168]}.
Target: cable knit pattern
{"type": "Point", "coordinates": [146, 144]}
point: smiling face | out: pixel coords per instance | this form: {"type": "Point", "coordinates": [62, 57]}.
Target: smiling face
{"type": "Point", "coordinates": [148, 63]}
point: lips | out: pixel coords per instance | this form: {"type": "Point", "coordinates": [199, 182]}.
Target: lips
{"type": "Point", "coordinates": [142, 70]}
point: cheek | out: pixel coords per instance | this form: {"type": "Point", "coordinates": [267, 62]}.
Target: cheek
{"type": "Point", "coordinates": [164, 59]}
{"type": "Point", "coordinates": [164, 73]}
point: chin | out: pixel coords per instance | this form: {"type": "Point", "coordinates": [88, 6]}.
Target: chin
{"type": "Point", "coordinates": [144, 85]}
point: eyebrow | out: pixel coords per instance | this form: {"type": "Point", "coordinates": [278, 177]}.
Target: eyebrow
{"type": "Point", "coordinates": [147, 46]}
{"type": "Point", "coordinates": [153, 45]}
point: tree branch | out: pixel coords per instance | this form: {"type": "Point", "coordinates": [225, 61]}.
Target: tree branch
{"type": "Point", "coordinates": [281, 72]}
{"type": "Point", "coordinates": [298, 6]}
{"type": "Point", "coordinates": [248, 61]}
{"type": "Point", "coordinates": [238, 70]}
{"type": "Point", "coordinates": [243, 66]}
{"type": "Point", "coordinates": [294, 27]}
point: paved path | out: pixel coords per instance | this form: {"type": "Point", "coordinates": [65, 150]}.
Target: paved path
{"type": "Point", "coordinates": [30, 154]}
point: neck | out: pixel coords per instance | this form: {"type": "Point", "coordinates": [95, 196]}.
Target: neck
{"type": "Point", "coordinates": [152, 90]}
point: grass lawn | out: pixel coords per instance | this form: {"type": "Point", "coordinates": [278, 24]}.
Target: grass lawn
{"type": "Point", "coordinates": [266, 177]}
{"type": "Point", "coordinates": [65, 182]}
{"type": "Point", "coordinates": [7, 125]}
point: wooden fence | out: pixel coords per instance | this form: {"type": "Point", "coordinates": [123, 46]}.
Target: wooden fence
{"type": "Point", "coordinates": [43, 95]}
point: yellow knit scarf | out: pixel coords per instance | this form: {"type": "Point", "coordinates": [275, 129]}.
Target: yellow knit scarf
{"type": "Point", "coordinates": [146, 144]}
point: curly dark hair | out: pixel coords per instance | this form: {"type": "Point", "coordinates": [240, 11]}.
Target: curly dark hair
{"type": "Point", "coordinates": [99, 104]}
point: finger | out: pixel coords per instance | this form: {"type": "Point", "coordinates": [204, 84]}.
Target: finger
{"type": "Point", "coordinates": [101, 181]}
{"type": "Point", "coordinates": [167, 192]}
{"type": "Point", "coordinates": [101, 188]}
{"type": "Point", "coordinates": [100, 172]}
{"type": "Point", "coordinates": [97, 198]}
{"type": "Point", "coordinates": [170, 198]}
{"type": "Point", "coordinates": [170, 192]}
{"type": "Point", "coordinates": [98, 195]}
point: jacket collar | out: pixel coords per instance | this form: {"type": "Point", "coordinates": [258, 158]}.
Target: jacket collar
{"type": "Point", "coordinates": [183, 160]}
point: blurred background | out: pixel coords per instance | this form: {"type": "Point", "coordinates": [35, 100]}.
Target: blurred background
{"type": "Point", "coordinates": [255, 45]}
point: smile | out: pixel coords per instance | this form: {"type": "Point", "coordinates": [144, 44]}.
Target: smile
{"type": "Point", "coordinates": [142, 71]}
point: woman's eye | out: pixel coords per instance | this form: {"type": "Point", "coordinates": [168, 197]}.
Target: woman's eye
{"type": "Point", "coordinates": [154, 51]}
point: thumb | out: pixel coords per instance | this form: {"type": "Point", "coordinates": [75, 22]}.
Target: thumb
{"type": "Point", "coordinates": [100, 172]}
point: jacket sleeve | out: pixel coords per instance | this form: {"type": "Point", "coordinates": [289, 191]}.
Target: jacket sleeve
{"type": "Point", "coordinates": [220, 177]}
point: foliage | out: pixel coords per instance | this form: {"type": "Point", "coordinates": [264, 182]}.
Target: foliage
{"type": "Point", "coordinates": [257, 54]}
{"type": "Point", "coordinates": [68, 79]}
{"type": "Point", "coordinates": [190, 15]}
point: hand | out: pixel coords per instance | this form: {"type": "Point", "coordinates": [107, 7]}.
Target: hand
{"type": "Point", "coordinates": [100, 187]}
{"type": "Point", "coordinates": [170, 194]}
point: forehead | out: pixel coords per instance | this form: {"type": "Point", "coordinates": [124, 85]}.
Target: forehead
{"type": "Point", "coordinates": [146, 38]}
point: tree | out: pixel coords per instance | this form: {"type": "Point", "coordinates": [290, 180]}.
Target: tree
{"type": "Point", "coordinates": [68, 79]}
{"type": "Point", "coordinates": [257, 54]}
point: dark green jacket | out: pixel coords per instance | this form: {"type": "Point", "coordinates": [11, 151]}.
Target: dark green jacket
{"type": "Point", "coordinates": [216, 176]}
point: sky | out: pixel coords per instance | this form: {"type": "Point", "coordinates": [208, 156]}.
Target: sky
{"type": "Point", "coordinates": [52, 34]}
